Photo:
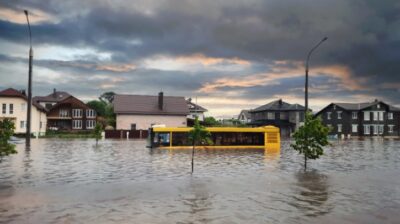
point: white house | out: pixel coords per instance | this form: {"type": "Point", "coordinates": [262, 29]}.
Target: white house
{"type": "Point", "coordinates": [244, 117]}
{"type": "Point", "coordinates": [14, 106]}
{"type": "Point", "coordinates": [195, 110]}
{"type": "Point", "coordinates": [140, 112]}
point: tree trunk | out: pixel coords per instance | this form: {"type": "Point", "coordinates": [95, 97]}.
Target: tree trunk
{"type": "Point", "coordinates": [193, 156]}
{"type": "Point", "coordinates": [305, 162]}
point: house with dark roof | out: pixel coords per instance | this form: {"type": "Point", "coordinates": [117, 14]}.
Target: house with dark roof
{"type": "Point", "coordinates": [140, 112]}
{"type": "Point", "coordinates": [195, 110]}
{"type": "Point", "coordinates": [14, 106]}
{"type": "Point", "coordinates": [66, 112]}
{"type": "Point", "coordinates": [375, 118]}
{"type": "Point", "coordinates": [287, 117]}
{"type": "Point", "coordinates": [244, 117]}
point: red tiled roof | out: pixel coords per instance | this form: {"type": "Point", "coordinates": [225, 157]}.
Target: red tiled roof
{"type": "Point", "coordinates": [10, 92]}
{"type": "Point", "coordinates": [142, 104]}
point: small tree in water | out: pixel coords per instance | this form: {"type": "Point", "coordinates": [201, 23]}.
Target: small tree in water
{"type": "Point", "coordinates": [310, 138]}
{"type": "Point", "coordinates": [6, 131]}
{"type": "Point", "coordinates": [97, 132]}
{"type": "Point", "coordinates": [199, 136]}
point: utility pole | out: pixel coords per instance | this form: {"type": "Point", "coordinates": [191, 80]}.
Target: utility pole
{"type": "Point", "coordinates": [28, 114]}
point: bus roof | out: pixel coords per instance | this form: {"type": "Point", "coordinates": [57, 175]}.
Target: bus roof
{"type": "Point", "coordinates": [218, 129]}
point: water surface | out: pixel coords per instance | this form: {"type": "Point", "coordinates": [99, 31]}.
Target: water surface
{"type": "Point", "coordinates": [72, 181]}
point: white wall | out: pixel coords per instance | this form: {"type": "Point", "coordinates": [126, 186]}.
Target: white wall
{"type": "Point", "coordinates": [145, 121]}
{"type": "Point", "coordinates": [19, 114]}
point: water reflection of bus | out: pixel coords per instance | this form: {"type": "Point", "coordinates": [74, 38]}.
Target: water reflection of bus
{"type": "Point", "coordinates": [222, 137]}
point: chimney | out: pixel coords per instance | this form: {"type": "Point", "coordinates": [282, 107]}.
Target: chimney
{"type": "Point", "coordinates": [280, 101]}
{"type": "Point", "coordinates": [160, 100]}
{"type": "Point", "coordinates": [22, 91]}
{"type": "Point", "coordinates": [54, 92]}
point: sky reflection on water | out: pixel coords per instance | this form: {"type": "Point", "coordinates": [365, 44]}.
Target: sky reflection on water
{"type": "Point", "coordinates": [72, 181]}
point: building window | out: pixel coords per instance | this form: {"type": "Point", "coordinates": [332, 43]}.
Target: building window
{"type": "Point", "coordinates": [40, 125]}
{"type": "Point", "coordinates": [22, 124]}
{"type": "Point", "coordinates": [283, 116]}
{"type": "Point", "coordinates": [133, 126]}
{"type": "Point", "coordinates": [339, 128]}
{"type": "Point", "coordinates": [390, 128]}
{"type": "Point", "coordinates": [375, 129]}
{"type": "Point", "coordinates": [4, 111]}
{"type": "Point", "coordinates": [90, 113]}
{"type": "Point", "coordinates": [354, 128]}
{"type": "Point", "coordinates": [380, 129]}
{"type": "Point", "coordinates": [63, 113]}
{"type": "Point", "coordinates": [334, 107]}
{"type": "Point", "coordinates": [390, 116]}
{"type": "Point", "coordinates": [23, 106]}
{"type": "Point", "coordinates": [77, 124]}
{"type": "Point", "coordinates": [375, 113]}
{"type": "Point", "coordinates": [366, 116]}
{"type": "Point", "coordinates": [378, 106]}
{"type": "Point", "coordinates": [354, 115]}
{"type": "Point", "coordinates": [271, 116]}
{"type": "Point", "coordinates": [328, 115]}
{"type": "Point", "coordinates": [339, 115]}
{"type": "Point", "coordinates": [11, 108]}
{"type": "Point", "coordinates": [367, 129]}
{"type": "Point", "coordinates": [90, 124]}
{"type": "Point", "coordinates": [76, 112]}
{"type": "Point", "coordinates": [380, 115]}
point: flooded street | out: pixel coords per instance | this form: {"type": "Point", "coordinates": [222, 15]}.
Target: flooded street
{"type": "Point", "coordinates": [72, 181]}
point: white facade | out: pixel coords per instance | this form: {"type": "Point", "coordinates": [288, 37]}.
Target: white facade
{"type": "Point", "coordinates": [16, 108]}
{"type": "Point", "coordinates": [127, 122]}
{"type": "Point", "coordinates": [192, 115]}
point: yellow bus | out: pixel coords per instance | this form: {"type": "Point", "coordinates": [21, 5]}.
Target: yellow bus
{"type": "Point", "coordinates": [266, 137]}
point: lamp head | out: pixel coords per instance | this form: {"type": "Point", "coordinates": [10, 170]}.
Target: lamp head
{"type": "Point", "coordinates": [26, 12]}
{"type": "Point", "coordinates": [325, 38]}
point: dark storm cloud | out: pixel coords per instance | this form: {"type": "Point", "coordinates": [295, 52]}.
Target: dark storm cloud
{"type": "Point", "coordinates": [364, 35]}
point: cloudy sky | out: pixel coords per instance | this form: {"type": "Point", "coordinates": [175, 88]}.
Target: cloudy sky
{"type": "Point", "coordinates": [230, 54]}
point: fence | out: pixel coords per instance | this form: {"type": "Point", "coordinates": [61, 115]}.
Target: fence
{"type": "Point", "coordinates": [124, 134]}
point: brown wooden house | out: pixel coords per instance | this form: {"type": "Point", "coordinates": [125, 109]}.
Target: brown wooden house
{"type": "Point", "coordinates": [71, 114]}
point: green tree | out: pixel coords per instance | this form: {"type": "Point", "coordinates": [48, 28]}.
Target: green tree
{"type": "Point", "coordinates": [97, 132]}
{"type": "Point", "coordinates": [99, 106]}
{"type": "Point", "coordinates": [311, 138]}
{"type": "Point", "coordinates": [107, 97]}
{"type": "Point", "coordinates": [199, 135]}
{"type": "Point", "coordinates": [211, 121]}
{"type": "Point", "coordinates": [6, 131]}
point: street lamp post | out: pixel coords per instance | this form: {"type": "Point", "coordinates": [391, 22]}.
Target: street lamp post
{"type": "Point", "coordinates": [307, 61]}
{"type": "Point", "coordinates": [28, 115]}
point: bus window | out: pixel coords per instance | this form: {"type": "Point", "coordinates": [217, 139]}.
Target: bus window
{"type": "Point", "coordinates": [161, 139]}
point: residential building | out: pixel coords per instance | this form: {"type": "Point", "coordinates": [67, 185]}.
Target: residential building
{"type": "Point", "coordinates": [52, 99]}
{"type": "Point", "coordinates": [14, 105]}
{"type": "Point", "coordinates": [195, 110]}
{"type": "Point", "coordinates": [71, 114]}
{"type": "Point", "coordinates": [375, 118]}
{"type": "Point", "coordinates": [140, 112]}
{"type": "Point", "coordinates": [244, 117]}
{"type": "Point", "coordinates": [287, 117]}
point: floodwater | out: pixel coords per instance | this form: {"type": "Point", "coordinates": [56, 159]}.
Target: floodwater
{"type": "Point", "coordinates": [72, 181]}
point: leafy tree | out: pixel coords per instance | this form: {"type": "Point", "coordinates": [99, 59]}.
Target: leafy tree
{"type": "Point", "coordinates": [199, 135]}
{"type": "Point", "coordinates": [97, 132]}
{"type": "Point", "coordinates": [311, 138]}
{"type": "Point", "coordinates": [6, 131]}
{"type": "Point", "coordinates": [98, 106]}
{"type": "Point", "coordinates": [107, 97]}
{"type": "Point", "coordinates": [211, 121]}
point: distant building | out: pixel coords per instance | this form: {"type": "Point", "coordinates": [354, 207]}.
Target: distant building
{"type": "Point", "coordinates": [362, 119]}
{"type": "Point", "coordinates": [244, 117]}
{"type": "Point", "coordinates": [52, 99]}
{"type": "Point", "coordinates": [135, 112]}
{"type": "Point", "coordinates": [195, 110]}
{"type": "Point", "coordinates": [14, 106]}
{"type": "Point", "coordinates": [287, 117]}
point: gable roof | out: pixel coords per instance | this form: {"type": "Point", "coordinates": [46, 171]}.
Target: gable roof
{"type": "Point", "coordinates": [70, 100]}
{"type": "Point", "coordinates": [55, 97]}
{"type": "Point", "coordinates": [10, 92]}
{"type": "Point", "coordinates": [144, 104]}
{"type": "Point", "coordinates": [245, 112]}
{"type": "Point", "coordinates": [359, 106]}
{"type": "Point", "coordinates": [195, 107]}
{"type": "Point", "coordinates": [279, 105]}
